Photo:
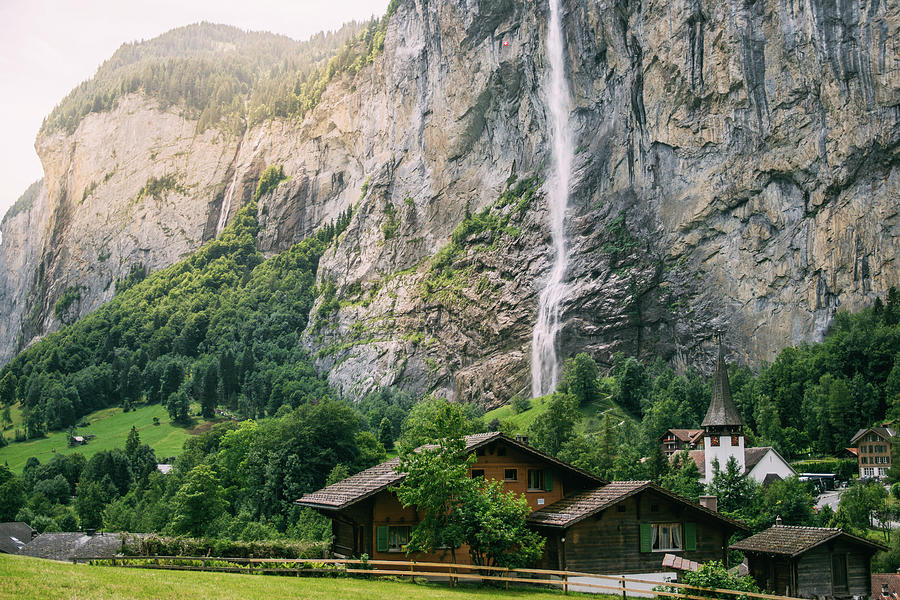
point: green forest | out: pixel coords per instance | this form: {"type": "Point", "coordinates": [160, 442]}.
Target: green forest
{"type": "Point", "coordinates": [223, 76]}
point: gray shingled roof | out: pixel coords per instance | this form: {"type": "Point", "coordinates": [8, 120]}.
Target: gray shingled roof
{"type": "Point", "coordinates": [722, 411]}
{"type": "Point", "coordinates": [14, 535]}
{"type": "Point", "coordinates": [885, 432]}
{"type": "Point", "coordinates": [569, 511]}
{"type": "Point", "coordinates": [790, 540]}
{"type": "Point", "coordinates": [66, 546]}
{"type": "Point", "coordinates": [375, 479]}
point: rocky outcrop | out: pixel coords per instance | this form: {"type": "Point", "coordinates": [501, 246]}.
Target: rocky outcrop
{"type": "Point", "coordinates": [736, 170]}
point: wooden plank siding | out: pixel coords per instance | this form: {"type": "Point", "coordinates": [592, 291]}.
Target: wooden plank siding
{"type": "Point", "coordinates": [610, 541]}
{"type": "Point", "coordinates": [812, 573]}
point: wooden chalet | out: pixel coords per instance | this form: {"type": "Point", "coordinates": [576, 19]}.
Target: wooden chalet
{"type": "Point", "coordinates": [873, 450]}
{"type": "Point", "coordinates": [675, 440]}
{"type": "Point", "coordinates": [368, 519]}
{"type": "Point", "coordinates": [810, 561]}
{"type": "Point", "coordinates": [591, 525]}
{"type": "Point", "coordinates": [630, 527]}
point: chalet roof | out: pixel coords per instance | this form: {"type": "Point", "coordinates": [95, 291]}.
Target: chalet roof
{"type": "Point", "coordinates": [790, 540]}
{"type": "Point", "coordinates": [69, 545]}
{"type": "Point", "coordinates": [885, 432]}
{"type": "Point", "coordinates": [885, 586]}
{"type": "Point", "coordinates": [14, 535]}
{"type": "Point", "coordinates": [722, 411]}
{"type": "Point", "coordinates": [573, 509]}
{"type": "Point", "coordinates": [686, 435]}
{"type": "Point", "coordinates": [375, 479]}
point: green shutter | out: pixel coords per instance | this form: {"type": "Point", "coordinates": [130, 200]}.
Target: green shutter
{"type": "Point", "coordinates": [690, 536]}
{"type": "Point", "coordinates": [381, 538]}
{"type": "Point", "coordinates": [548, 480]}
{"type": "Point", "coordinates": [646, 538]}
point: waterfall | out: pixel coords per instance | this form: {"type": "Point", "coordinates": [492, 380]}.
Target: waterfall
{"type": "Point", "coordinates": [226, 206]}
{"type": "Point", "coordinates": [544, 360]}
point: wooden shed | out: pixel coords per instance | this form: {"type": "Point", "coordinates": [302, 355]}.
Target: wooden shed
{"type": "Point", "coordinates": [810, 561]}
{"type": "Point", "coordinates": [630, 527]}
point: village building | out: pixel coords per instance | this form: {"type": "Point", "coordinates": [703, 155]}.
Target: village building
{"type": "Point", "coordinates": [723, 438]}
{"type": "Point", "coordinates": [885, 586]}
{"type": "Point", "coordinates": [630, 527]}
{"type": "Point", "coordinates": [14, 535]}
{"type": "Point", "coordinates": [873, 450]}
{"type": "Point", "coordinates": [676, 440]}
{"type": "Point", "coordinates": [810, 562]}
{"type": "Point", "coordinates": [590, 525]}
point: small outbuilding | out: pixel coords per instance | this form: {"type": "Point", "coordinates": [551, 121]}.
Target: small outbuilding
{"type": "Point", "coordinates": [810, 562]}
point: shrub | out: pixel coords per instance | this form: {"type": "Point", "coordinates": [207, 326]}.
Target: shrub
{"type": "Point", "coordinates": [154, 545]}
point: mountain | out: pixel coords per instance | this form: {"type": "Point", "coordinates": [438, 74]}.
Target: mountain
{"type": "Point", "coordinates": [736, 170]}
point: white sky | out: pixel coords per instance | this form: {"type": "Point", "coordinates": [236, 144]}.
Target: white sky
{"type": "Point", "coordinates": [47, 47]}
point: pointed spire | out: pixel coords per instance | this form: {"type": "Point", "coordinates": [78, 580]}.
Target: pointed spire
{"type": "Point", "coordinates": [722, 411]}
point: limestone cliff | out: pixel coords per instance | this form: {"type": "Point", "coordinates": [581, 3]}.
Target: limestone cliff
{"type": "Point", "coordinates": [737, 169]}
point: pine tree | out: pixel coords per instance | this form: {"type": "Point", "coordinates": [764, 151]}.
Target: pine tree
{"type": "Point", "coordinates": [386, 434]}
{"type": "Point", "coordinates": [132, 443]}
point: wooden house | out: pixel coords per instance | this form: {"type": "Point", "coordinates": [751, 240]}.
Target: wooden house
{"type": "Point", "coordinates": [676, 440]}
{"type": "Point", "coordinates": [368, 519]}
{"type": "Point", "coordinates": [591, 525]}
{"type": "Point", "coordinates": [810, 561]}
{"type": "Point", "coordinates": [885, 586]}
{"type": "Point", "coordinates": [630, 527]}
{"type": "Point", "coordinates": [873, 450]}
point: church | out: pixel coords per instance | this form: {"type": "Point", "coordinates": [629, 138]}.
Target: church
{"type": "Point", "coordinates": [723, 438]}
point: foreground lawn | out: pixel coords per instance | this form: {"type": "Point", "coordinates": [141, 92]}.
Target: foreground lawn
{"type": "Point", "coordinates": [111, 427]}
{"type": "Point", "coordinates": [34, 578]}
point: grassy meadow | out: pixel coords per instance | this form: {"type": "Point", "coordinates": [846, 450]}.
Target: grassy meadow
{"type": "Point", "coordinates": [110, 426]}
{"type": "Point", "coordinates": [36, 579]}
{"type": "Point", "coordinates": [592, 414]}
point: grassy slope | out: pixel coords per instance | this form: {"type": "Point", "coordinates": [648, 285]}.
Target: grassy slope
{"type": "Point", "coordinates": [25, 577]}
{"type": "Point", "coordinates": [593, 414]}
{"type": "Point", "coordinates": [111, 426]}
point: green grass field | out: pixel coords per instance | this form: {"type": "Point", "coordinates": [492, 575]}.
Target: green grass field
{"type": "Point", "coordinates": [33, 578]}
{"type": "Point", "coordinates": [592, 414]}
{"type": "Point", "coordinates": [111, 427]}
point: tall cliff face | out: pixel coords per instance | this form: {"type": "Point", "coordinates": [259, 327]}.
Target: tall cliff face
{"type": "Point", "coordinates": [737, 169]}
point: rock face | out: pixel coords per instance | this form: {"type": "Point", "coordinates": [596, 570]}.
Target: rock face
{"type": "Point", "coordinates": [737, 170]}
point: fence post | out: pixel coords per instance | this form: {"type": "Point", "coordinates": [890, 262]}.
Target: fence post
{"type": "Point", "coordinates": [623, 587]}
{"type": "Point", "coordinates": [565, 582]}
{"type": "Point", "coordinates": [507, 578]}
{"type": "Point", "coordinates": [412, 567]}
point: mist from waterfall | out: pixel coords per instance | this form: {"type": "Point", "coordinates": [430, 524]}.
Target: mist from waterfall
{"type": "Point", "coordinates": [544, 359]}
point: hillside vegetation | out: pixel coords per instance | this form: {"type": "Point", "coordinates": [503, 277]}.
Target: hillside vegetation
{"type": "Point", "coordinates": [222, 74]}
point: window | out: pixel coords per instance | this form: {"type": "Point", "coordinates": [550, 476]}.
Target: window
{"type": "Point", "coordinates": [666, 536]}
{"type": "Point", "coordinates": [398, 538]}
{"type": "Point", "coordinates": [477, 473]}
{"type": "Point", "coordinates": [839, 572]}
{"type": "Point", "coordinates": [511, 475]}
{"type": "Point", "coordinates": [735, 441]}
{"type": "Point", "coordinates": [540, 480]}
{"type": "Point", "coordinates": [714, 440]}
{"type": "Point", "coordinates": [868, 471]}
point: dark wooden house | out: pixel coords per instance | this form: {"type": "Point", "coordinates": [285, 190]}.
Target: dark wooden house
{"type": "Point", "coordinates": [629, 527]}
{"type": "Point", "coordinates": [368, 519]}
{"type": "Point", "coordinates": [591, 525]}
{"type": "Point", "coordinates": [810, 561]}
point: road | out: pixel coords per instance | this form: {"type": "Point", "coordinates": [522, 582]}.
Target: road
{"type": "Point", "coordinates": [830, 498]}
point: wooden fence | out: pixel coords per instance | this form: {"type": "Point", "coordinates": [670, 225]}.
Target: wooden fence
{"type": "Point", "coordinates": [453, 573]}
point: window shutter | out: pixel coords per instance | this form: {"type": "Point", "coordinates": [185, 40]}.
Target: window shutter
{"type": "Point", "coordinates": [690, 536]}
{"type": "Point", "coordinates": [646, 538]}
{"type": "Point", "coordinates": [548, 480]}
{"type": "Point", "coordinates": [381, 538]}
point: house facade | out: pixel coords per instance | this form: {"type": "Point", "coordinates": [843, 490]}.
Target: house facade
{"type": "Point", "coordinates": [589, 524]}
{"type": "Point", "coordinates": [629, 527]}
{"type": "Point", "coordinates": [809, 562]}
{"type": "Point", "coordinates": [676, 440]}
{"type": "Point", "coordinates": [873, 450]}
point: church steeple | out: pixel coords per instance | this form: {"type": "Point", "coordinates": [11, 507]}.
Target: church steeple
{"type": "Point", "coordinates": [723, 438]}
{"type": "Point", "coordinates": [722, 413]}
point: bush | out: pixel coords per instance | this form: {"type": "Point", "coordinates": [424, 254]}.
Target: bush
{"type": "Point", "coordinates": [714, 575]}
{"type": "Point", "coordinates": [520, 404]}
{"type": "Point", "coordinates": [154, 545]}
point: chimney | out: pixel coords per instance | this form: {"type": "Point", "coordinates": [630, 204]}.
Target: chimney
{"type": "Point", "coordinates": [710, 502]}
{"type": "Point", "coordinates": [778, 521]}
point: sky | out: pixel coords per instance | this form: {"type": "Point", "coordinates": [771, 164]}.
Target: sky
{"type": "Point", "coordinates": [47, 47]}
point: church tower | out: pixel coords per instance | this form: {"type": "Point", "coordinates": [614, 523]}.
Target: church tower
{"type": "Point", "coordinates": [723, 435]}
